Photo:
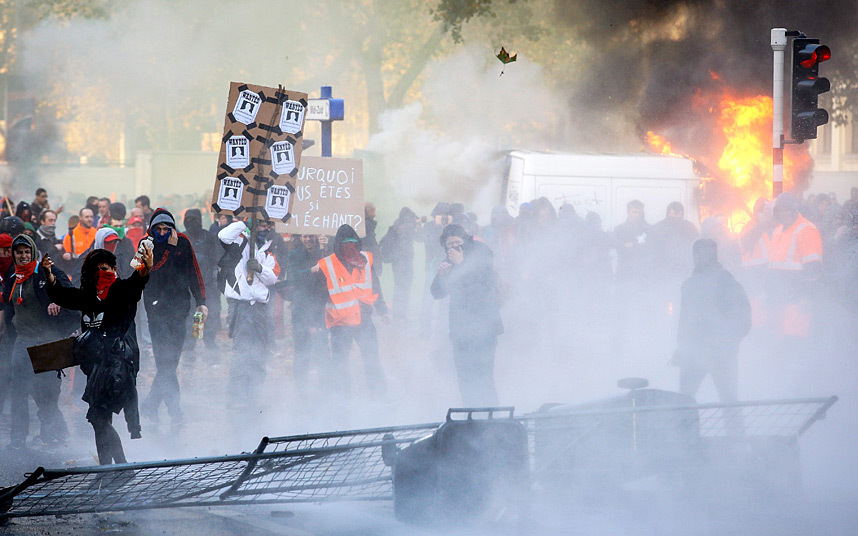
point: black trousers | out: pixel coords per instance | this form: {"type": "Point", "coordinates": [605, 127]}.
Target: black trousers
{"type": "Point", "coordinates": [366, 338]}
{"type": "Point", "coordinates": [45, 390]}
{"type": "Point", "coordinates": [168, 336]}
{"type": "Point", "coordinates": [107, 441]}
{"type": "Point", "coordinates": [475, 370]}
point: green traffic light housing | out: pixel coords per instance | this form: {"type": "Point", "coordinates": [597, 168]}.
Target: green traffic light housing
{"type": "Point", "coordinates": [806, 115]}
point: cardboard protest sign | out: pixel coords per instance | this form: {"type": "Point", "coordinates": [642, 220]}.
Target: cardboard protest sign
{"type": "Point", "coordinates": [260, 153]}
{"type": "Point", "coordinates": [55, 355]}
{"type": "Point", "coordinates": [329, 193]}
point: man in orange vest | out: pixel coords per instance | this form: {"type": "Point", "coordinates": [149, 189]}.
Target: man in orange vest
{"type": "Point", "coordinates": [795, 260]}
{"type": "Point", "coordinates": [353, 292]}
{"type": "Point", "coordinates": [81, 237]}
{"type": "Point", "coordinates": [755, 239]}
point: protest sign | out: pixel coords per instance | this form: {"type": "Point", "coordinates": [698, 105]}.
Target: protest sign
{"type": "Point", "coordinates": [329, 193]}
{"type": "Point", "coordinates": [260, 153]}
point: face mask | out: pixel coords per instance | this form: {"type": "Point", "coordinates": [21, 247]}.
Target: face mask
{"type": "Point", "coordinates": [48, 230]}
{"type": "Point", "coordinates": [193, 225]}
{"type": "Point", "coordinates": [103, 283]}
{"type": "Point", "coordinates": [262, 236]}
{"type": "Point", "coordinates": [161, 238]}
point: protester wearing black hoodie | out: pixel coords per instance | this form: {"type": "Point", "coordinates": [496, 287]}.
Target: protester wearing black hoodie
{"type": "Point", "coordinates": [208, 251]}
{"type": "Point", "coordinates": [107, 349]}
{"type": "Point", "coordinates": [353, 292]}
{"type": "Point", "coordinates": [32, 319]}
{"type": "Point", "coordinates": [467, 275]}
{"type": "Point", "coordinates": [174, 279]}
{"type": "Point", "coordinates": [714, 317]}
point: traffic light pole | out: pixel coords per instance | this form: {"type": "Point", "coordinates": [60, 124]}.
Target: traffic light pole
{"type": "Point", "coordinates": [779, 44]}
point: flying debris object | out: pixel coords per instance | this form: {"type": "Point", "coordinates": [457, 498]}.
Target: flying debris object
{"type": "Point", "coordinates": [505, 58]}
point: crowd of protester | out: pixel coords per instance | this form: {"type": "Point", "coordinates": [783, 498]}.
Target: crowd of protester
{"type": "Point", "coordinates": [545, 277]}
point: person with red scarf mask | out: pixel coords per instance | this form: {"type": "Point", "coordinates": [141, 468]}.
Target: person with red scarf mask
{"type": "Point", "coordinates": [353, 293]}
{"type": "Point", "coordinates": [5, 342]}
{"type": "Point", "coordinates": [32, 318]}
{"type": "Point", "coordinates": [108, 305]}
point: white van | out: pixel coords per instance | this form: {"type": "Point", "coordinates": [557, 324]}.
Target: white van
{"type": "Point", "coordinates": [602, 183]}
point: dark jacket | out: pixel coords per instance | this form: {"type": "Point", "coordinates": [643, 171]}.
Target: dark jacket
{"type": "Point", "coordinates": [207, 248]}
{"type": "Point", "coordinates": [59, 326]}
{"type": "Point", "coordinates": [471, 285]}
{"type": "Point", "coordinates": [49, 245]}
{"type": "Point", "coordinates": [671, 242]}
{"type": "Point", "coordinates": [118, 309]}
{"type": "Point", "coordinates": [634, 255]}
{"type": "Point", "coordinates": [397, 246]}
{"type": "Point", "coordinates": [307, 293]}
{"type": "Point", "coordinates": [175, 276]}
{"type": "Point", "coordinates": [714, 316]}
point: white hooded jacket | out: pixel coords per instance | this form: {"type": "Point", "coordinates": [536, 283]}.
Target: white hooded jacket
{"type": "Point", "coordinates": [237, 233]}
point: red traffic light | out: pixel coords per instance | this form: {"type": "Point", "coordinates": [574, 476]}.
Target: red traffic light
{"type": "Point", "coordinates": [810, 55]}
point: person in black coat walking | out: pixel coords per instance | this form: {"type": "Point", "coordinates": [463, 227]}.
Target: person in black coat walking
{"type": "Point", "coordinates": [467, 275]}
{"type": "Point", "coordinates": [714, 317]}
{"type": "Point", "coordinates": [174, 279]}
{"type": "Point", "coordinates": [110, 357]}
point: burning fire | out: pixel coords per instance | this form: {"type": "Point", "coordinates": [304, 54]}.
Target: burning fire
{"type": "Point", "coordinates": [660, 144]}
{"type": "Point", "coordinates": [740, 162]}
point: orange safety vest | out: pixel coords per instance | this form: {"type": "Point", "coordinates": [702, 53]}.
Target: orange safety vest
{"type": "Point", "coordinates": [346, 290]}
{"type": "Point", "coordinates": [759, 254]}
{"type": "Point", "coordinates": [83, 238]}
{"type": "Point", "coordinates": [795, 246]}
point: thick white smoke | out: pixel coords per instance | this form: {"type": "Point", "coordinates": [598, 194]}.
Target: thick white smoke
{"type": "Point", "coordinates": [449, 145]}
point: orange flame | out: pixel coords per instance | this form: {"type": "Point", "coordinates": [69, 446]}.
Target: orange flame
{"type": "Point", "coordinates": [743, 159]}
{"type": "Point", "coordinates": [659, 143]}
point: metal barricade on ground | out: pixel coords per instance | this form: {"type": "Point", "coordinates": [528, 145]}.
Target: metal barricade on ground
{"type": "Point", "coordinates": [566, 447]}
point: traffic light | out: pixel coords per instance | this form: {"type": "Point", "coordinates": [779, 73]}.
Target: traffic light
{"type": "Point", "coordinates": [807, 54]}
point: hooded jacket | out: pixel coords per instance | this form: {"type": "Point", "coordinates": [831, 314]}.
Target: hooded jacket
{"type": "Point", "coordinates": [471, 285]}
{"type": "Point", "coordinates": [397, 246]}
{"type": "Point", "coordinates": [206, 246]}
{"type": "Point", "coordinates": [55, 326]}
{"type": "Point", "coordinates": [175, 275]}
{"type": "Point", "coordinates": [236, 235]}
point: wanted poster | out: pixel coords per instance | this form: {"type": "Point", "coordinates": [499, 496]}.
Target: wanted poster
{"type": "Point", "coordinates": [282, 157]}
{"type": "Point", "coordinates": [230, 193]}
{"type": "Point", "coordinates": [277, 202]}
{"type": "Point", "coordinates": [260, 152]}
{"type": "Point", "coordinates": [238, 152]}
{"type": "Point", "coordinates": [292, 117]}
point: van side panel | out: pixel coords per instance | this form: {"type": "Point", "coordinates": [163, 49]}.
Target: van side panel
{"type": "Point", "coordinates": [514, 195]}
{"type": "Point", "coordinates": [584, 194]}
